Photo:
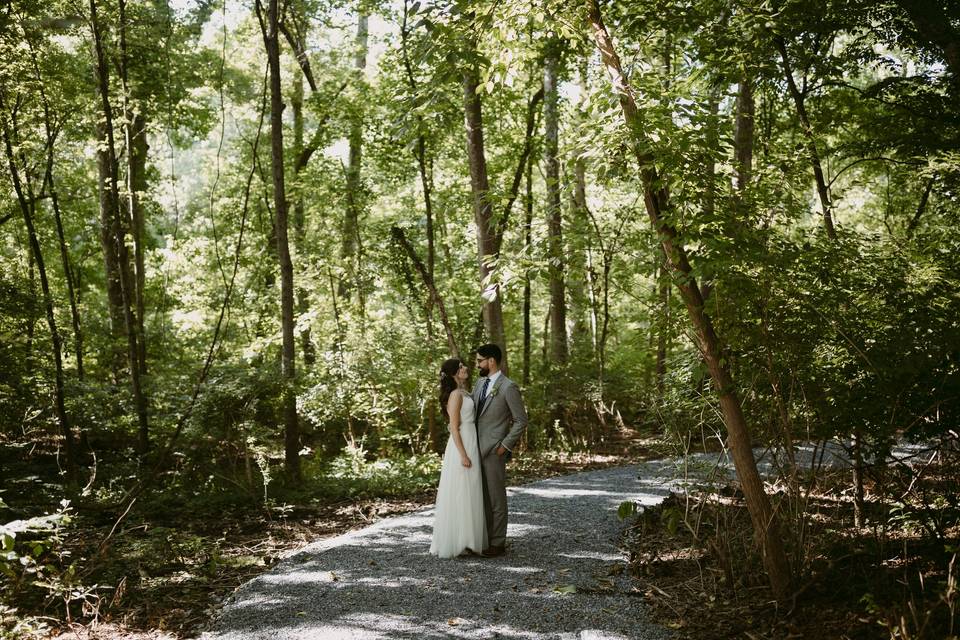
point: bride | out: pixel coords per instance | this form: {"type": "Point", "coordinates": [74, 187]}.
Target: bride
{"type": "Point", "coordinates": [458, 522]}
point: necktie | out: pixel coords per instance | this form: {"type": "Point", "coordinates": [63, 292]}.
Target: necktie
{"type": "Point", "coordinates": [483, 395]}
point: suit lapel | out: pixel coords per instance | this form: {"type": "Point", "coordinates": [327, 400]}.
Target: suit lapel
{"type": "Point", "coordinates": [491, 394]}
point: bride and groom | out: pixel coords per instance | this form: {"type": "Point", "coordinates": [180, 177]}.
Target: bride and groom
{"type": "Point", "coordinates": [485, 426]}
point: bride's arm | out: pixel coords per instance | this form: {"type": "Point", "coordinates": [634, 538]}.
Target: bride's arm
{"type": "Point", "coordinates": [454, 403]}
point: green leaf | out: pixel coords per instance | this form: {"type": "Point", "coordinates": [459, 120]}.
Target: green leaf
{"type": "Point", "coordinates": [626, 509]}
{"type": "Point", "coordinates": [565, 589]}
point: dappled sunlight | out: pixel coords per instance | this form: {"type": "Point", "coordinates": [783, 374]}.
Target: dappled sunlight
{"type": "Point", "coordinates": [379, 579]}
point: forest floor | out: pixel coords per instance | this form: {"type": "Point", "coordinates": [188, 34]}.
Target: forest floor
{"type": "Point", "coordinates": [166, 575]}
{"type": "Point", "coordinates": [166, 571]}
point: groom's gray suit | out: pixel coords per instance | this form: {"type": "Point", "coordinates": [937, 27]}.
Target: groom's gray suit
{"type": "Point", "coordinates": [500, 421]}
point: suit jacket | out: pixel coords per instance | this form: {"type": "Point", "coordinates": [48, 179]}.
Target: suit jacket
{"type": "Point", "coordinates": [503, 417]}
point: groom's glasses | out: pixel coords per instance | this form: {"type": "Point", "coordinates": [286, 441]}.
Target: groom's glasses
{"type": "Point", "coordinates": [481, 360]}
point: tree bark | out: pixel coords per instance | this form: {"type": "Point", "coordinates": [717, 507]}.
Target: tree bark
{"type": "Point", "coordinates": [135, 134]}
{"type": "Point", "coordinates": [799, 101]}
{"type": "Point", "coordinates": [921, 207]}
{"type": "Point", "coordinates": [527, 293]}
{"type": "Point", "coordinates": [108, 212]}
{"type": "Point", "coordinates": [743, 134]}
{"type": "Point", "coordinates": [551, 126]}
{"type": "Point", "coordinates": [765, 522]}
{"type": "Point", "coordinates": [299, 219]}
{"type": "Point", "coordinates": [118, 235]}
{"type": "Point", "coordinates": [483, 211]}
{"type": "Point", "coordinates": [271, 42]}
{"type": "Point", "coordinates": [26, 202]}
{"type": "Point", "coordinates": [350, 238]}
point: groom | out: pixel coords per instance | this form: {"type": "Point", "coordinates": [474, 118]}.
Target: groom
{"type": "Point", "coordinates": [501, 420]}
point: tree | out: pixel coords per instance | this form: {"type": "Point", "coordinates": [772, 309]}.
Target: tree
{"type": "Point", "coordinates": [766, 529]}
{"type": "Point", "coordinates": [271, 33]}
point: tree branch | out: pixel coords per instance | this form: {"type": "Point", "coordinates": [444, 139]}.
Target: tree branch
{"type": "Point", "coordinates": [518, 173]}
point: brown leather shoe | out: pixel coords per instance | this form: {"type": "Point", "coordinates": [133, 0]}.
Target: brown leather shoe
{"type": "Point", "coordinates": [493, 551]}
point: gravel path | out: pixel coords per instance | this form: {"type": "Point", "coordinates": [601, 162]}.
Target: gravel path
{"type": "Point", "coordinates": [561, 578]}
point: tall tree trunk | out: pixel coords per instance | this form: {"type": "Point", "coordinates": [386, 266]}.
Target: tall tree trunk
{"type": "Point", "coordinates": [663, 326]}
{"type": "Point", "coordinates": [299, 219]}
{"type": "Point", "coordinates": [743, 134]}
{"type": "Point", "coordinates": [288, 360]}
{"type": "Point", "coordinates": [527, 245]}
{"type": "Point", "coordinates": [135, 138]}
{"type": "Point", "coordinates": [765, 522]}
{"type": "Point", "coordinates": [350, 238]}
{"type": "Point", "coordinates": [26, 202]}
{"type": "Point", "coordinates": [483, 210]}
{"type": "Point", "coordinates": [137, 157]}
{"type": "Point", "coordinates": [799, 100]}
{"type": "Point", "coordinates": [118, 234]}
{"type": "Point", "coordinates": [583, 338]}
{"type": "Point", "coordinates": [50, 181]}
{"type": "Point", "coordinates": [111, 267]}
{"type": "Point", "coordinates": [420, 151]}
{"type": "Point", "coordinates": [551, 126]}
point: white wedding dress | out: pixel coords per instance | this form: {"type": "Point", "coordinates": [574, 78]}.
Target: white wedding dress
{"type": "Point", "coordinates": [458, 521]}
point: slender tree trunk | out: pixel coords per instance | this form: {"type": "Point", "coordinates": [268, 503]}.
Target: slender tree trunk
{"type": "Point", "coordinates": [483, 211]}
{"type": "Point", "coordinates": [350, 239]}
{"type": "Point", "coordinates": [111, 266]}
{"type": "Point", "coordinates": [135, 134]}
{"type": "Point", "coordinates": [799, 101]}
{"type": "Point", "coordinates": [26, 202]}
{"type": "Point", "coordinates": [426, 179]}
{"type": "Point", "coordinates": [583, 338]}
{"type": "Point", "coordinates": [288, 362]}
{"type": "Point", "coordinates": [299, 219]}
{"type": "Point", "coordinates": [551, 122]}
{"type": "Point", "coordinates": [921, 207]}
{"type": "Point", "coordinates": [743, 135]}
{"type": "Point", "coordinates": [50, 181]}
{"type": "Point", "coordinates": [765, 522]}
{"type": "Point", "coordinates": [118, 235]}
{"type": "Point", "coordinates": [527, 245]}
{"type": "Point", "coordinates": [663, 328]}
{"type": "Point", "coordinates": [138, 186]}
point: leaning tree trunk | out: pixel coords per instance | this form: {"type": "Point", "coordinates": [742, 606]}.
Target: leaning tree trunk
{"type": "Point", "coordinates": [288, 361]}
{"type": "Point", "coordinates": [26, 209]}
{"type": "Point", "coordinates": [799, 100]}
{"type": "Point", "coordinates": [482, 210]}
{"type": "Point", "coordinates": [765, 522]}
{"type": "Point", "coordinates": [118, 234]}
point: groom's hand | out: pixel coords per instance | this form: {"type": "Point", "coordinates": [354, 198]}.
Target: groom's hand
{"type": "Point", "coordinates": [501, 450]}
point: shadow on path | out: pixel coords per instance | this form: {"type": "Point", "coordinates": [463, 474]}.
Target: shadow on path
{"type": "Point", "coordinates": [562, 576]}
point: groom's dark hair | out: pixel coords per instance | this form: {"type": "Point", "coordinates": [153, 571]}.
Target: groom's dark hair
{"type": "Point", "coordinates": [490, 351]}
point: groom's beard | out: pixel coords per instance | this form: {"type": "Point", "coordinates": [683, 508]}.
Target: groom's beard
{"type": "Point", "coordinates": [484, 372]}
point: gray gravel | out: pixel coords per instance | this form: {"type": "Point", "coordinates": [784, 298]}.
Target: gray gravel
{"type": "Point", "coordinates": [562, 576]}
{"type": "Point", "coordinates": [382, 582]}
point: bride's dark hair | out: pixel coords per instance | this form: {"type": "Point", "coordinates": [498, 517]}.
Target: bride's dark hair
{"type": "Point", "coordinates": [448, 383]}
